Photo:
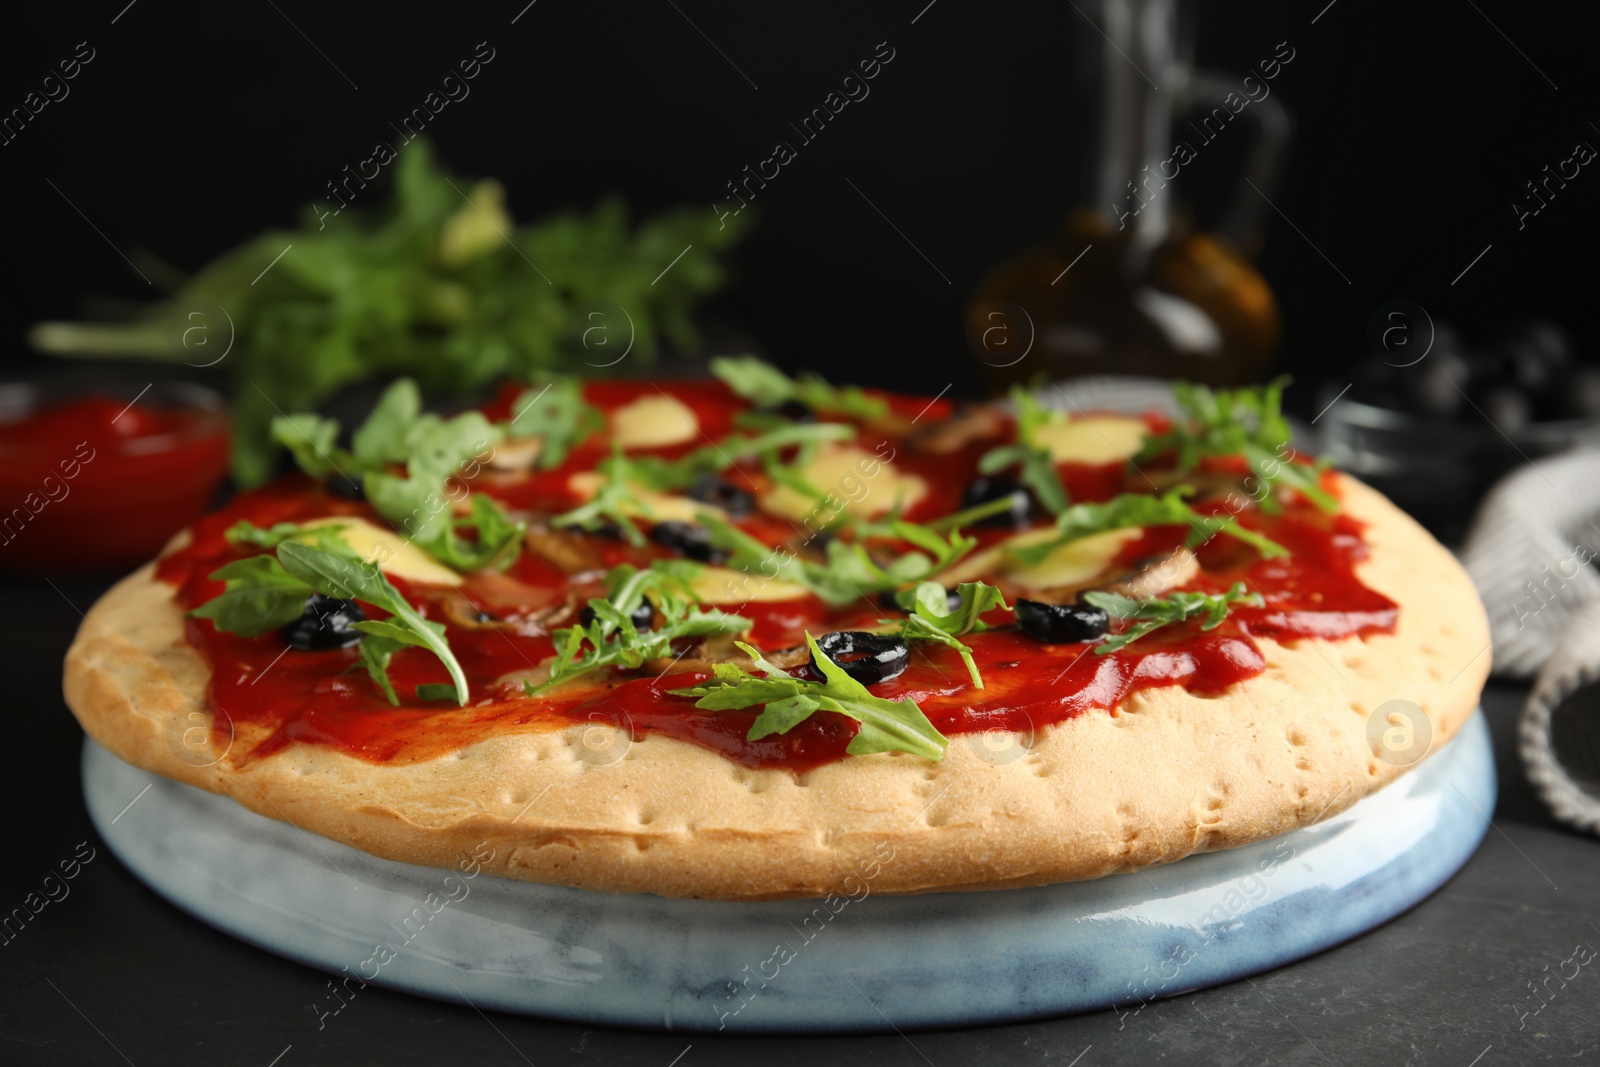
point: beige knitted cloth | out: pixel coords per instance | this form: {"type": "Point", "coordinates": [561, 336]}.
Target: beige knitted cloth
{"type": "Point", "coordinates": [1529, 552]}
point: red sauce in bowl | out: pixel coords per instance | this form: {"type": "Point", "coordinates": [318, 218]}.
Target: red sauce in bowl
{"type": "Point", "coordinates": [98, 482]}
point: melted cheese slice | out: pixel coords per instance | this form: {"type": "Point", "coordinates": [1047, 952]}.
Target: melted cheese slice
{"type": "Point", "coordinates": [662, 506]}
{"type": "Point", "coordinates": [1077, 561]}
{"type": "Point", "coordinates": [391, 552]}
{"type": "Point", "coordinates": [653, 422]}
{"type": "Point", "coordinates": [1094, 439]}
{"type": "Point", "coordinates": [858, 481]}
{"type": "Point", "coordinates": [724, 585]}
{"type": "Point", "coordinates": [713, 585]}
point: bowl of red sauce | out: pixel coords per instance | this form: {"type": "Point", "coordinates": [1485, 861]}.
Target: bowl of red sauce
{"type": "Point", "coordinates": [92, 479]}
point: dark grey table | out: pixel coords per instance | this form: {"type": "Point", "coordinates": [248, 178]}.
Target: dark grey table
{"type": "Point", "coordinates": [110, 973]}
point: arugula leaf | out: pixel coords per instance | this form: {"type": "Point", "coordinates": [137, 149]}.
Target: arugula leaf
{"type": "Point", "coordinates": [611, 639]}
{"type": "Point", "coordinates": [967, 516]}
{"type": "Point", "coordinates": [615, 502]}
{"type": "Point", "coordinates": [627, 585]}
{"type": "Point", "coordinates": [791, 475]}
{"type": "Point", "coordinates": [1247, 422]}
{"type": "Point", "coordinates": [932, 620]}
{"type": "Point", "coordinates": [886, 725]}
{"type": "Point", "coordinates": [558, 416]}
{"type": "Point", "coordinates": [1131, 510]}
{"type": "Point", "coordinates": [439, 448]}
{"type": "Point", "coordinates": [342, 576]}
{"type": "Point", "coordinates": [382, 640]}
{"type": "Point", "coordinates": [1156, 612]}
{"type": "Point", "coordinates": [383, 438]}
{"type": "Point", "coordinates": [499, 539]}
{"type": "Point", "coordinates": [435, 691]}
{"type": "Point", "coordinates": [849, 571]}
{"type": "Point", "coordinates": [376, 652]}
{"type": "Point", "coordinates": [313, 442]}
{"type": "Point", "coordinates": [323, 535]}
{"type": "Point", "coordinates": [264, 593]}
{"type": "Point", "coordinates": [259, 597]}
{"type": "Point", "coordinates": [436, 453]}
{"type": "Point", "coordinates": [423, 285]}
{"type": "Point", "coordinates": [766, 386]}
{"type": "Point", "coordinates": [664, 475]}
{"type": "Point", "coordinates": [1038, 467]}
{"type": "Point", "coordinates": [944, 551]}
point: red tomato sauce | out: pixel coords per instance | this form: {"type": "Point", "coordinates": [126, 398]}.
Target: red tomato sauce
{"type": "Point", "coordinates": [325, 698]}
{"type": "Point", "coordinates": [95, 482]}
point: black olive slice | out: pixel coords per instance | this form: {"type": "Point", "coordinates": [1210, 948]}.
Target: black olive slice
{"type": "Point", "coordinates": [1061, 623]}
{"type": "Point", "coordinates": [642, 616]}
{"type": "Point", "coordinates": [719, 492]}
{"type": "Point", "coordinates": [601, 528]}
{"type": "Point", "coordinates": [687, 539]}
{"type": "Point", "coordinates": [326, 623]}
{"type": "Point", "coordinates": [793, 410]}
{"type": "Point", "coordinates": [984, 490]}
{"type": "Point", "coordinates": [866, 657]}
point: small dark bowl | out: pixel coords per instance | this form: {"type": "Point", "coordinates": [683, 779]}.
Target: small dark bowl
{"type": "Point", "coordinates": [1438, 469]}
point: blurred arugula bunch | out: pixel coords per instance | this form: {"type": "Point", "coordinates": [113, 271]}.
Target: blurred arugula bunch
{"type": "Point", "coordinates": [441, 286]}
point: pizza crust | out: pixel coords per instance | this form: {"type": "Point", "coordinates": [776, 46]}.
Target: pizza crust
{"type": "Point", "coordinates": [1169, 774]}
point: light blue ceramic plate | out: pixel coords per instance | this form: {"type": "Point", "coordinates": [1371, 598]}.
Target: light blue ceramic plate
{"type": "Point", "coordinates": [873, 964]}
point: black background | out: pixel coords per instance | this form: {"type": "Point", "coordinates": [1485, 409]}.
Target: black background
{"type": "Point", "coordinates": [198, 125]}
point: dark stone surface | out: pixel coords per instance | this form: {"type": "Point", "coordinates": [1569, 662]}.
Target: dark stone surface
{"type": "Point", "coordinates": [110, 973]}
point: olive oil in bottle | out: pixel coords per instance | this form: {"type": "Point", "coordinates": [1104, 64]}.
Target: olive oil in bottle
{"type": "Point", "coordinates": [1128, 287]}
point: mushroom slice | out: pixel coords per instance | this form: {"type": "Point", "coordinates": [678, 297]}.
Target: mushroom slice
{"type": "Point", "coordinates": [721, 649]}
{"type": "Point", "coordinates": [516, 453]}
{"type": "Point", "coordinates": [969, 423]}
{"type": "Point", "coordinates": [1154, 575]}
{"type": "Point", "coordinates": [568, 552]}
{"type": "Point", "coordinates": [499, 602]}
{"type": "Point", "coordinates": [1149, 577]}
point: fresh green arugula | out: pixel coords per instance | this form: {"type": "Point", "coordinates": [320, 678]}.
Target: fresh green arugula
{"type": "Point", "coordinates": [791, 474]}
{"type": "Point", "coordinates": [313, 441]}
{"type": "Point", "coordinates": [258, 596]}
{"type": "Point", "coordinates": [931, 618]}
{"type": "Point", "coordinates": [385, 437]}
{"type": "Point", "coordinates": [967, 516]}
{"type": "Point", "coordinates": [323, 535]}
{"type": "Point", "coordinates": [558, 416]}
{"type": "Point", "coordinates": [438, 283]}
{"type": "Point", "coordinates": [436, 452]}
{"type": "Point", "coordinates": [1131, 510]}
{"type": "Point", "coordinates": [267, 592]}
{"type": "Point", "coordinates": [1246, 422]}
{"type": "Point", "coordinates": [848, 571]}
{"type": "Point", "coordinates": [886, 725]}
{"type": "Point", "coordinates": [615, 502]}
{"type": "Point", "coordinates": [1038, 467]}
{"type": "Point", "coordinates": [496, 544]}
{"type": "Point", "coordinates": [1156, 612]}
{"type": "Point", "coordinates": [766, 386]}
{"type": "Point", "coordinates": [666, 475]}
{"type": "Point", "coordinates": [611, 639]}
